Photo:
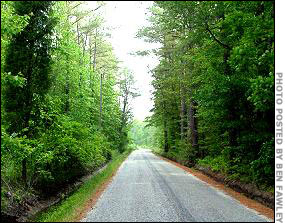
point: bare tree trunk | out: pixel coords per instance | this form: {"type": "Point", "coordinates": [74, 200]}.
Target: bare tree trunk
{"type": "Point", "coordinates": [124, 119]}
{"type": "Point", "coordinates": [182, 111]}
{"type": "Point", "coordinates": [27, 116]}
{"type": "Point", "coordinates": [101, 77]}
{"type": "Point", "coordinates": [233, 132]}
{"type": "Point", "coordinates": [95, 51]}
{"type": "Point", "coordinates": [166, 145]}
{"type": "Point", "coordinates": [81, 60]}
{"type": "Point", "coordinates": [78, 34]}
{"type": "Point", "coordinates": [67, 105]}
{"type": "Point", "coordinates": [182, 118]}
{"type": "Point", "coordinates": [90, 78]}
{"type": "Point", "coordinates": [101, 80]}
{"type": "Point", "coordinates": [84, 45]}
{"type": "Point", "coordinates": [125, 92]}
{"type": "Point", "coordinates": [90, 54]}
{"type": "Point", "coordinates": [193, 124]}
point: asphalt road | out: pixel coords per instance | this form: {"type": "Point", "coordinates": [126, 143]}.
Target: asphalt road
{"type": "Point", "coordinates": [147, 188]}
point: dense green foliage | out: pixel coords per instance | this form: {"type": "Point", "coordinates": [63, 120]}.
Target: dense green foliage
{"type": "Point", "coordinates": [61, 97]}
{"type": "Point", "coordinates": [68, 209]}
{"type": "Point", "coordinates": [214, 84]}
{"type": "Point", "coordinates": [65, 101]}
{"type": "Point", "coordinates": [143, 135]}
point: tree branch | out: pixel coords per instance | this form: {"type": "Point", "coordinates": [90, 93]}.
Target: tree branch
{"type": "Point", "coordinates": [76, 5]}
{"type": "Point", "coordinates": [87, 13]}
{"type": "Point", "coordinates": [218, 41]}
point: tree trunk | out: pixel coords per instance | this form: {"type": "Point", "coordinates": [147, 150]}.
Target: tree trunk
{"type": "Point", "coordinates": [166, 145]}
{"type": "Point", "coordinates": [233, 131]}
{"type": "Point", "coordinates": [182, 113]}
{"type": "Point", "coordinates": [90, 53]}
{"type": "Point", "coordinates": [193, 125]}
{"type": "Point", "coordinates": [82, 59]}
{"type": "Point", "coordinates": [84, 46]}
{"type": "Point", "coordinates": [101, 80]}
{"type": "Point", "coordinates": [95, 51]}
{"type": "Point", "coordinates": [28, 108]}
{"type": "Point", "coordinates": [67, 105]}
{"type": "Point", "coordinates": [78, 35]}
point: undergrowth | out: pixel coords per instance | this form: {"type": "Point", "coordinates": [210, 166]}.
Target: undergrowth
{"type": "Point", "coordinates": [69, 208]}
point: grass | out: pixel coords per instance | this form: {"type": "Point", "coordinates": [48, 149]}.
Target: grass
{"type": "Point", "coordinates": [68, 209]}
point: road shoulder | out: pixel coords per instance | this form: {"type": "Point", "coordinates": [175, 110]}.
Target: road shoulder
{"type": "Point", "coordinates": [249, 203]}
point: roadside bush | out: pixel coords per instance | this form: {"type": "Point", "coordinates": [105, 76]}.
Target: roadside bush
{"type": "Point", "coordinates": [218, 163]}
{"type": "Point", "coordinates": [64, 152]}
{"type": "Point", "coordinates": [13, 150]}
{"type": "Point", "coordinates": [183, 153]}
{"type": "Point", "coordinates": [262, 168]}
{"type": "Point", "coordinates": [70, 150]}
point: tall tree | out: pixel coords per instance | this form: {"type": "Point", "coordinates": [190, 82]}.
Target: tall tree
{"type": "Point", "coordinates": [127, 93]}
{"type": "Point", "coordinates": [28, 54]}
{"type": "Point", "coordinates": [224, 52]}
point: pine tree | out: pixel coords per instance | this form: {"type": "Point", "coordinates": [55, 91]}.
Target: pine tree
{"type": "Point", "coordinates": [28, 55]}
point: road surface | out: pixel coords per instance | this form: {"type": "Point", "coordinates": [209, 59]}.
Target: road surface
{"type": "Point", "coordinates": [147, 189]}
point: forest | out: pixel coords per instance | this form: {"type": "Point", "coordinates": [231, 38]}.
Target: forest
{"type": "Point", "coordinates": [64, 96]}
{"type": "Point", "coordinates": [142, 135]}
{"type": "Point", "coordinates": [214, 85]}
{"type": "Point", "coordinates": [66, 100]}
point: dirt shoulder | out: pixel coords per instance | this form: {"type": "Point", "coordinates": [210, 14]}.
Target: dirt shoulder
{"type": "Point", "coordinates": [94, 197]}
{"type": "Point", "coordinates": [238, 192]}
{"type": "Point", "coordinates": [33, 204]}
